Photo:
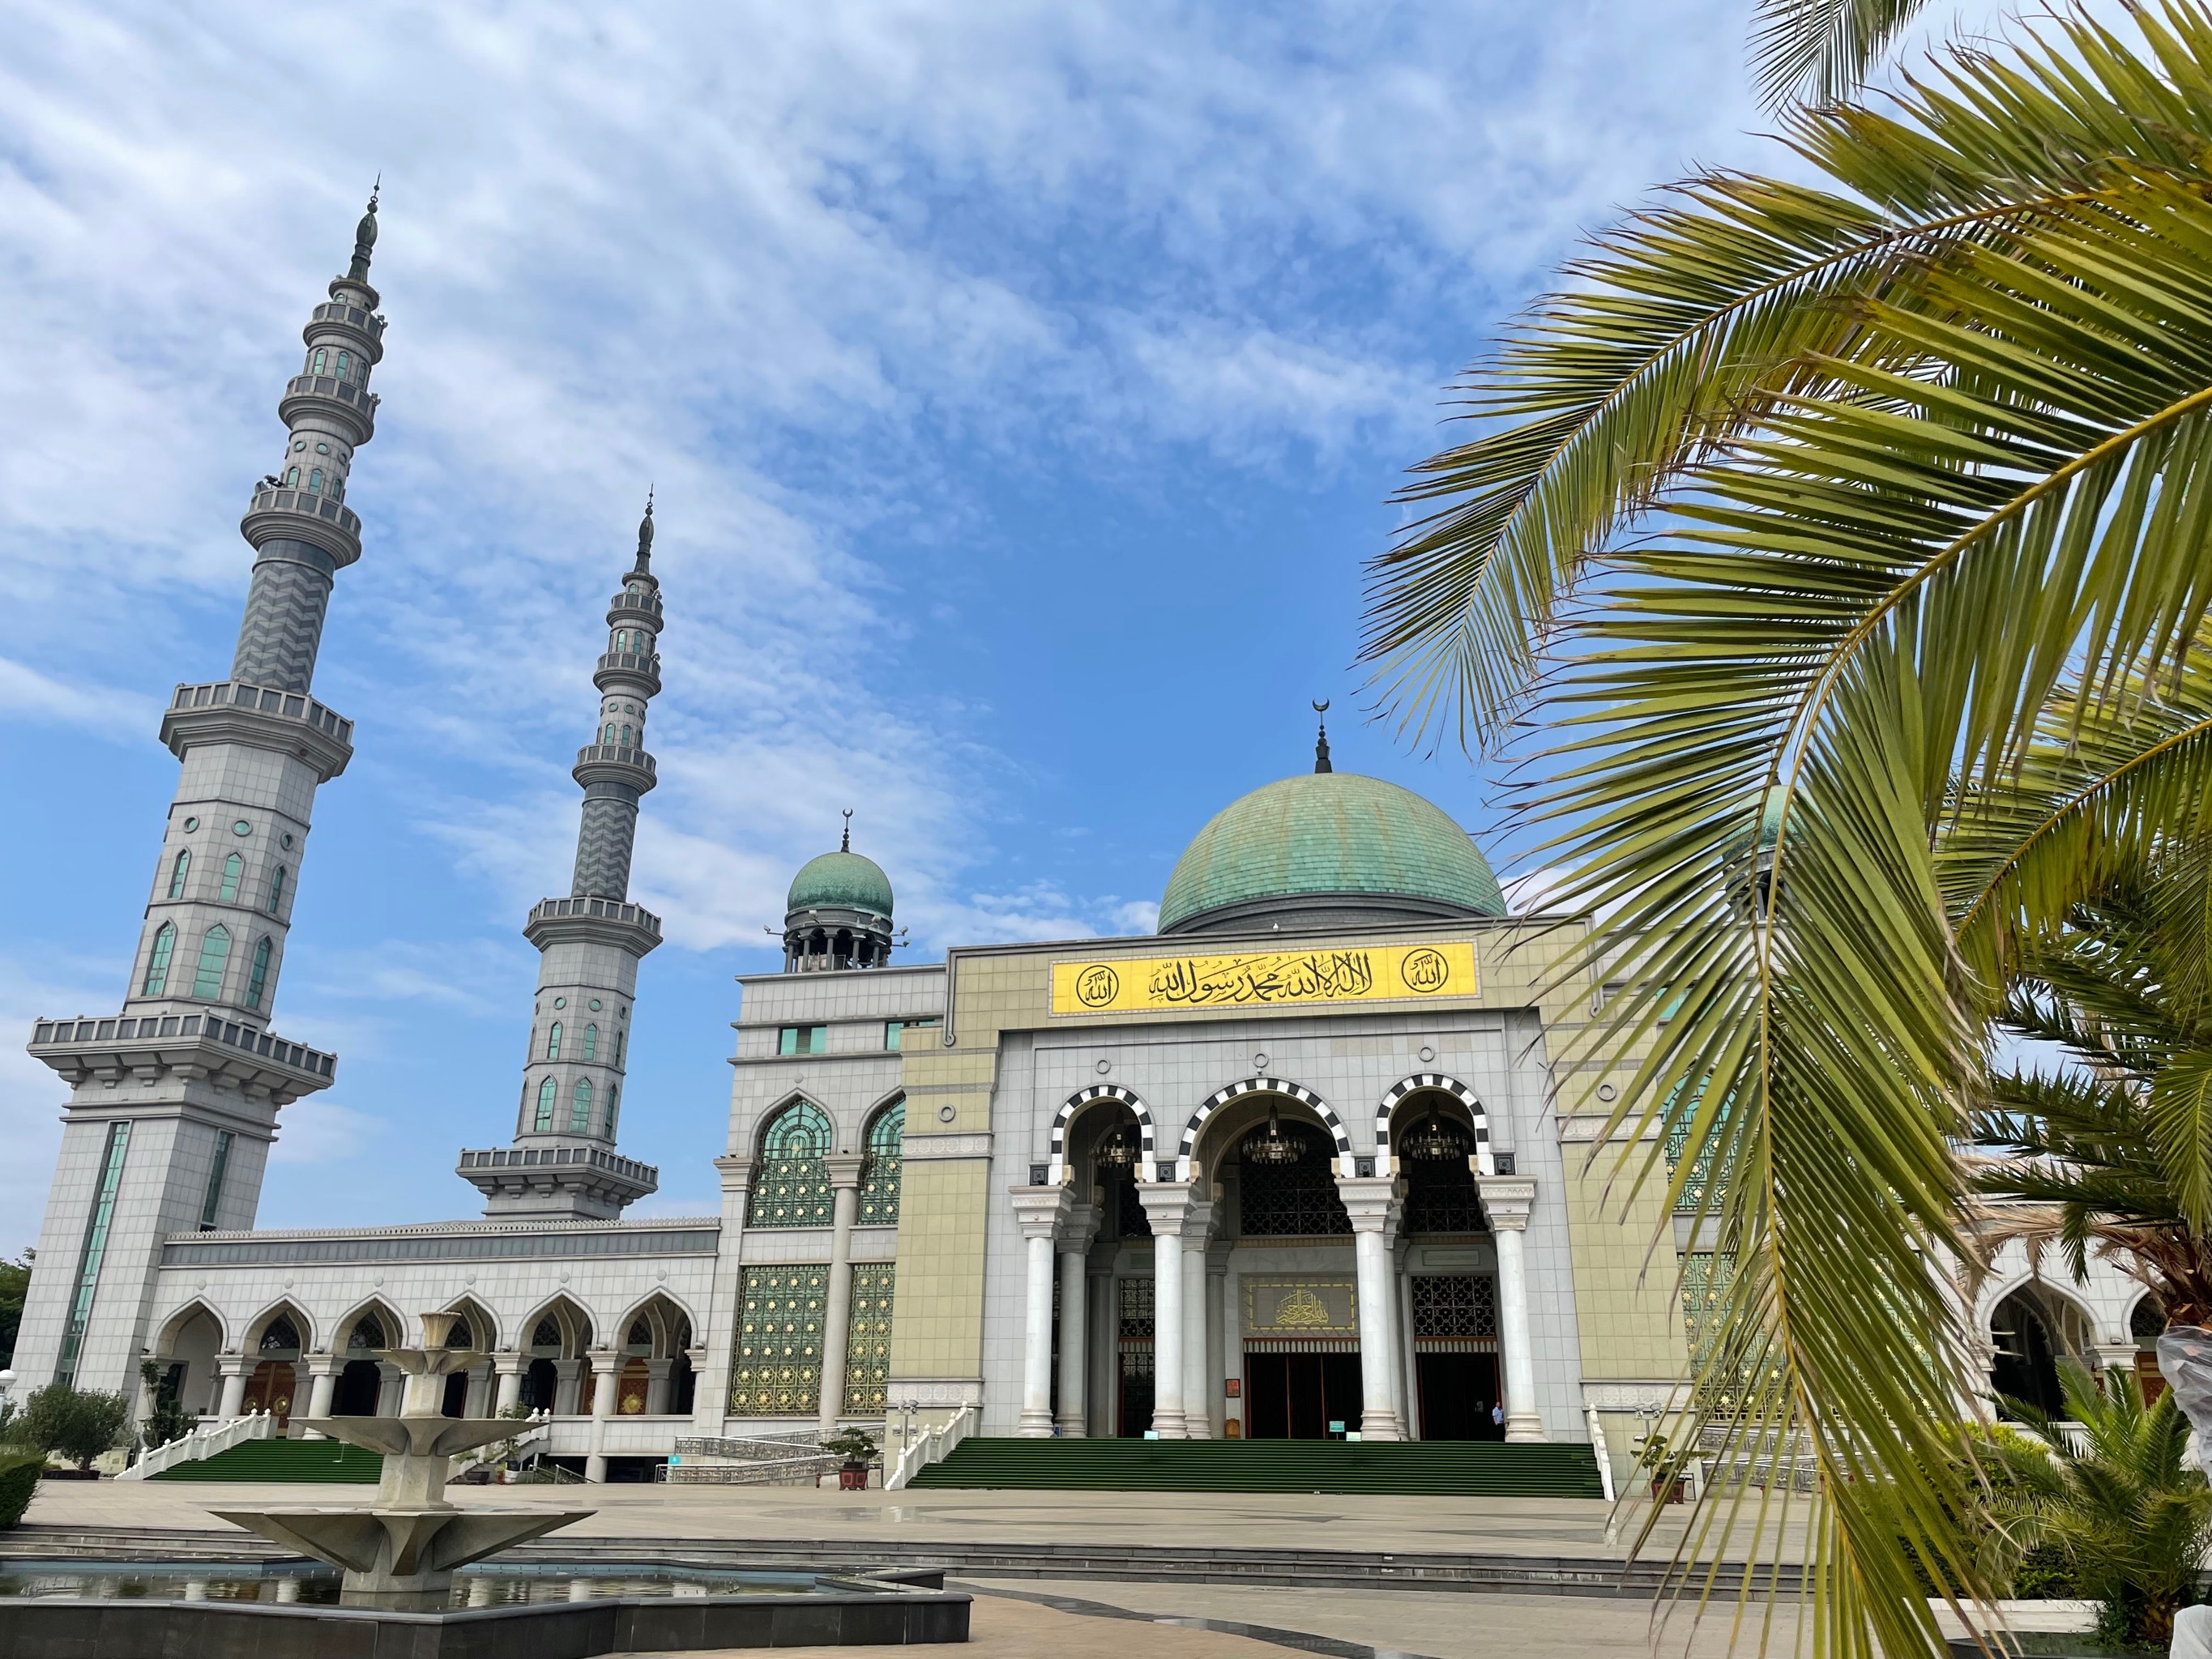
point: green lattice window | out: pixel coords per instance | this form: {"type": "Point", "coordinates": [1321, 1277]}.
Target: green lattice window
{"type": "Point", "coordinates": [778, 1369]}
{"type": "Point", "coordinates": [791, 1186]}
{"type": "Point", "coordinates": [868, 1341]}
{"type": "Point", "coordinates": [879, 1187]}
{"type": "Point", "coordinates": [1707, 1278]}
{"type": "Point", "coordinates": [1694, 1190]}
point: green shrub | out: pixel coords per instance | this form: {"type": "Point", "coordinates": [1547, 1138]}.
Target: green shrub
{"type": "Point", "coordinates": [166, 1420]}
{"type": "Point", "coordinates": [78, 1424]}
{"type": "Point", "coordinates": [19, 1479]}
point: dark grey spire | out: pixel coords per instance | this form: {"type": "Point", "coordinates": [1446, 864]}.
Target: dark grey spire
{"type": "Point", "coordinates": [364, 236]}
{"type": "Point", "coordinates": [1321, 743]}
{"type": "Point", "coordinates": [644, 566]}
{"type": "Point", "coordinates": [846, 845]}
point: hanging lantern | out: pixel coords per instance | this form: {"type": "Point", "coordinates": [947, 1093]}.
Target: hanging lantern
{"type": "Point", "coordinates": [1117, 1150]}
{"type": "Point", "coordinates": [1270, 1145]}
{"type": "Point", "coordinates": [1434, 1141]}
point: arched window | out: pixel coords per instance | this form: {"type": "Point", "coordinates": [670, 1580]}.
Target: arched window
{"type": "Point", "coordinates": [791, 1185]}
{"type": "Point", "coordinates": [614, 1105]}
{"type": "Point", "coordinates": [214, 956]}
{"type": "Point", "coordinates": [178, 872]}
{"type": "Point", "coordinates": [553, 1041]}
{"type": "Point", "coordinates": [292, 477]}
{"type": "Point", "coordinates": [257, 980]}
{"type": "Point", "coordinates": [368, 1333]}
{"type": "Point", "coordinates": [233, 868]}
{"type": "Point", "coordinates": [621, 1039]}
{"type": "Point", "coordinates": [157, 965]}
{"type": "Point", "coordinates": [545, 1105]}
{"type": "Point", "coordinates": [579, 1108]}
{"type": "Point", "coordinates": [880, 1187]}
{"type": "Point", "coordinates": [322, 359]}
{"type": "Point", "coordinates": [625, 735]}
{"type": "Point", "coordinates": [315, 481]}
{"type": "Point", "coordinates": [283, 1336]}
{"type": "Point", "coordinates": [591, 1042]}
{"type": "Point", "coordinates": [345, 365]}
{"type": "Point", "coordinates": [275, 889]}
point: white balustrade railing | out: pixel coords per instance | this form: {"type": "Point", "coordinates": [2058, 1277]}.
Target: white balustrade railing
{"type": "Point", "coordinates": [206, 1441]}
{"type": "Point", "coordinates": [934, 1447]}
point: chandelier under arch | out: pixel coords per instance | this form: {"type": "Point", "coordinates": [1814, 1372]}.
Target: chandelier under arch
{"type": "Point", "coordinates": [1270, 1146]}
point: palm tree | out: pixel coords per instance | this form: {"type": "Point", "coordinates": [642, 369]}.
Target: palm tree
{"type": "Point", "coordinates": [1858, 532]}
{"type": "Point", "coordinates": [2129, 1517]}
{"type": "Point", "coordinates": [2114, 1153]}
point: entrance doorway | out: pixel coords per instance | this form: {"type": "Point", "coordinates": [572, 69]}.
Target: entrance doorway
{"type": "Point", "coordinates": [1296, 1396]}
{"type": "Point", "coordinates": [1456, 1391]}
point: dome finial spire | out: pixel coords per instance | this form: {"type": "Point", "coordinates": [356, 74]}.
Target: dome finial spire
{"type": "Point", "coordinates": [846, 845]}
{"type": "Point", "coordinates": [364, 236]}
{"type": "Point", "coordinates": [1321, 743]}
{"type": "Point", "coordinates": [645, 534]}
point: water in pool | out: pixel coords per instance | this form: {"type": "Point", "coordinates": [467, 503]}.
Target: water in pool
{"type": "Point", "coordinates": [501, 1587]}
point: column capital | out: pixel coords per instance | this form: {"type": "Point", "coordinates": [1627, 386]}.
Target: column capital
{"type": "Point", "coordinates": [737, 1171]}
{"type": "Point", "coordinates": [1080, 1227]}
{"type": "Point", "coordinates": [845, 1168]}
{"type": "Point", "coordinates": [324, 1365]}
{"type": "Point", "coordinates": [1165, 1202]}
{"type": "Point", "coordinates": [1197, 1221]}
{"type": "Point", "coordinates": [510, 1362]}
{"type": "Point", "coordinates": [1506, 1201]}
{"type": "Point", "coordinates": [605, 1361]}
{"type": "Point", "coordinates": [234, 1365]}
{"type": "Point", "coordinates": [1371, 1201]}
{"type": "Point", "coordinates": [1039, 1211]}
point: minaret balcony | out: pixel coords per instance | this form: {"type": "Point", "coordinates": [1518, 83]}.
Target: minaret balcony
{"type": "Point", "coordinates": [627, 926]}
{"type": "Point", "coordinates": [594, 1181]}
{"type": "Point", "coordinates": [260, 1063]}
{"type": "Point", "coordinates": [626, 610]}
{"type": "Point", "coordinates": [630, 668]}
{"type": "Point", "coordinates": [610, 762]}
{"type": "Point", "coordinates": [350, 405]}
{"type": "Point", "coordinates": [325, 521]}
{"type": "Point", "coordinates": [337, 312]}
{"type": "Point", "coordinates": [230, 711]}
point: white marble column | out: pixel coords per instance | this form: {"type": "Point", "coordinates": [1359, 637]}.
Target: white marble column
{"type": "Point", "coordinates": [236, 1368]}
{"type": "Point", "coordinates": [656, 1387]}
{"type": "Point", "coordinates": [1072, 1419]}
{"type": "Point", "coordinates": [845, 1168]}
{"type": "Point", "coordinates": [606, 1371]}
{"type": "Point", "coordinates": [1506, 1201]}
{"type": "Point", "coordinates": [1039, 1213]}
{"type": "Point", "coordinates": [710, 1404]}
{"type": "Point", "coordinates": [1103, 1397]}
{"type": "Point", "coordinates": [568, 1386]}
{"type": "Point", "coordinates": [1371, 1201]}
{"type": "Point", "coordinates": [391, 1389]}
{"type": "Point", "coordinates": [510, 1366]}
{"type": "Point", "coordinates": [1164, 1204]}
{"type": "Point", "coordinates": [323, 1370]}
{"type": "Point", "coordinates": [1197, 1389]}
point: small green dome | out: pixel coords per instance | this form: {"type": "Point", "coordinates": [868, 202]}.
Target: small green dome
{"type": "Point", "coordinates": [843, 880]}
{"type": "Point", "coordinates": [1331, 833]}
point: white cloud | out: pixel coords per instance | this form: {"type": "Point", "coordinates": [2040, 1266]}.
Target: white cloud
{"type": "Point", "coordinates": [99, 709]}
{"type": "Point", "coordinates": [317, 1131]}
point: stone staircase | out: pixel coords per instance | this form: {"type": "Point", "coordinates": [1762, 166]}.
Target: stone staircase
{"type": "Point", "coordinates": [1450, 1468]}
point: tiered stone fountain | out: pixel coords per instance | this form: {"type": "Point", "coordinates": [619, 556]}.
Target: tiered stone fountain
{"type": "Point", "coordinates": [400, 1550]}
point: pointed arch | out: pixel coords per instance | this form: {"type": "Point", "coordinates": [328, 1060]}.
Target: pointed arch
{"type": "Point", "coordinates": [884, 1140]}
{"type": "Point", "coordinates": [543, 1119]}
{"type": "Point", "coordinates": [790, 1175]}
{"type": "Point", "coordinates": [483, 1325]}
{"type": "Point", "coordinates": [215, 958]}
{"type": "Point", "coordinates": [1075, 1103]}
{"type": "Point", "coordinates": [1265, 1085]}
{"type": "Point", "coordinates": [570, 1318]}
{"type": "Point", "coordinates": [667, 1318]}
{"type": "Point", "coordinates": [173, 1326]}
{"type": "Point", "coordinates": [1384, 1158]}
{"type": "Point", "coordinates": [282, 1308]}
{"type": "Point", "coordinates": [157, 963]}
{"type": "Point", "coordinates": [388, 1318]}
{"type": "Point", "coordinates": [178, 871]}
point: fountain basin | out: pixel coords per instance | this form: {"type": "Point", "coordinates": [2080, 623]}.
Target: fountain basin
{"type": "Point", "coordinates": [196, 1612]}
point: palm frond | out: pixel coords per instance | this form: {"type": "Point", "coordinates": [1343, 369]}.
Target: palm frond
{"type": "Point", "coordinates": [1821, 50]}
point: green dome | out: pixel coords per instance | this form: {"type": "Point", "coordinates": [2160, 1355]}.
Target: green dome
{"type": "Point", "coordinates": [1331, 833]}
{"type": "Point", "coordinates": [844, 880]}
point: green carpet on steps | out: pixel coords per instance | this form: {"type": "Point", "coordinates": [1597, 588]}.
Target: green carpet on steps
{"type": "Point", "coordinates": [1463, 1467]}
{"type": "Point", "coordinates": [283, 1460]}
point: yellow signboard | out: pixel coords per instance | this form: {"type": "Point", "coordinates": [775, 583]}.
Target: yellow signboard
{"type": "Point", "coordinates": [1264, 978]}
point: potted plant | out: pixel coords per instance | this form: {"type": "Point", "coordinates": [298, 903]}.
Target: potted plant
{"type": "Point", "coordinates": [857, 1447]}
{"type": "Point", "coordinates": [1667, 1481]}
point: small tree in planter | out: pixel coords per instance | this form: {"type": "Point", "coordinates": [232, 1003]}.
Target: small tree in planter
{"type": "Point", "coordinates": [1658, 1460]}
{"type": "Point", "coordinates": [78, 1424]}
{"type": "Point", "coordinates": [858, 1448]}
{"type": "Point", "coordinates": [166, 1419]}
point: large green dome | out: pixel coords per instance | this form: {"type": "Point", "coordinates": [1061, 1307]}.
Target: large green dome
{"type": "Point", "coordinates": [844, 881]}
{"type": "Point", "coordinates": [1325, 841]}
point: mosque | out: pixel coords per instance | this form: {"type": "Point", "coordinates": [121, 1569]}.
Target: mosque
{"type": "Point", "coordinates": [1304, 1164]}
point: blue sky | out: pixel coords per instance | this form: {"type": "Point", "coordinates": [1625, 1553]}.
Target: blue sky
{"type": "Point", "coordinates": [1022, 384]}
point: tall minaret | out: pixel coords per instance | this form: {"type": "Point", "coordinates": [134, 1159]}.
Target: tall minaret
{"type": "Point", "coordinates": [174, 1100]}
{"type": "Point", "coordinates": [563, 1162]}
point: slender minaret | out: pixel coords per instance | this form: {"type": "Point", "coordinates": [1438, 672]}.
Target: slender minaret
{"type": "Point", "coordinates": [563, 1162]}
{"type": "Point", "coordinates": [173, 1101]}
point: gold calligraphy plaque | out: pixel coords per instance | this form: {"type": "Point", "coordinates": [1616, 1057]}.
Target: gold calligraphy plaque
{"type": "Point", "coordinates": [1291, 1308]}
{"type": "Point", "coordinates": [1263, 979]}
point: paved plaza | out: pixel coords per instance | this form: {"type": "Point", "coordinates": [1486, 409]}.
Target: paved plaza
{"type": "Point", "coordinates": [1021, 1612]}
